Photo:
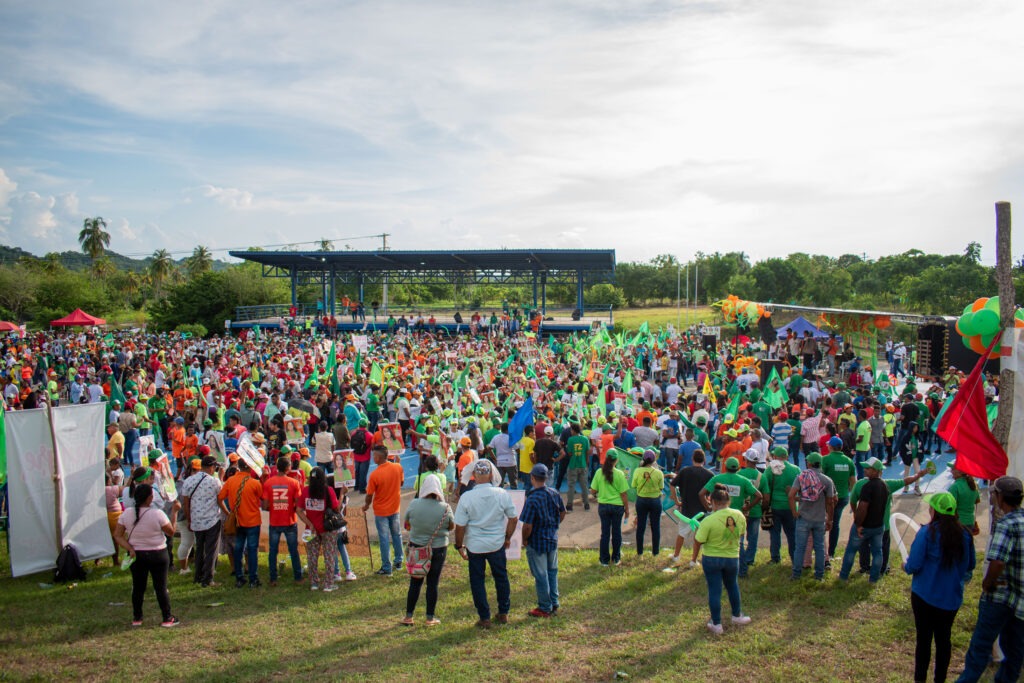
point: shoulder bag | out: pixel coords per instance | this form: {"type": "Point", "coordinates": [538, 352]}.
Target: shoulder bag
{"type": "Point", "coordinates": [333, 519]}
{"type": "Point", "coordinates": [767, 515]}
{"type": "Point", "coordinates": [417, 558]}
{"type": "Point", "coordinates": [230, 526]}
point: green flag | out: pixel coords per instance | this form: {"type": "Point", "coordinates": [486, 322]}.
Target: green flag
{"type": "Point", "coordinates": [734, 405]}
{"type": "Point", "coordinates": [359, 361]}
{"type": "Point", "coordinates": [775, 397]}
{"type": "Point", "coordinates": [627, 384]}
{"type": "Point", "coordinates": [460, 381]}
{"type": "Point", "coordinates": [376, 374]}
{"type": "Point", "coordinates": [332, 369]}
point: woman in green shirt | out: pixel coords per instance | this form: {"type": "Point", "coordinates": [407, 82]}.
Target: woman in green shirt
{"type": "Point", "coordinates": [609, 486]}
{"type": "Point", "coordinates": [719, 535]}
{"type": "Point", "coordinates": [648, 481]}
{"type": "Point", "coordinates": [965, 491]}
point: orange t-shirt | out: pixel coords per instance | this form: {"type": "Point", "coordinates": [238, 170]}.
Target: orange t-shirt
{"type": "Point", "coordinates": [464, 459]}
{"type": "Point", "coordinates": [252, 498]}
{"type": "Point", "coordinates": [191, 446]}
{"type": "Point", "coordinates": [386, 487]}
{"type": "Point", "coordinates": [177, 435]}
{"type": "Point", "coordinates": [607, 442]}
{"type": "Point", "coordinates": [732, 449]}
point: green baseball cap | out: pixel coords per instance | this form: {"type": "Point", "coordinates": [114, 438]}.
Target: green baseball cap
{"type": "Point", "coordinates": [944, 503]}
{"type": "Point", "coordinates": [814, 458]}
{"type": "Point", "coordinates": [874, 464]}
{"type": "Point", "coordinates": [732, 464]}
{"type": "Point", "coordinates": [780, 452]}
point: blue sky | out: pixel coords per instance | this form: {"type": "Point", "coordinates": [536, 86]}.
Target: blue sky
{"type": "Point", "coordinates": [648, 127]}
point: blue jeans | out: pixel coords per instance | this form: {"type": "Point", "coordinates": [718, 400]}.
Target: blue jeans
{"type": "Point", "coordinates": [748, 550]}
{"type": "Point", "coordinates": [544, 567]}
{"type": "Point", "coordinates": [878, 451]}
{"type": "Point", "coordinates": [903, 437]}
{"type": "Point", "coordinates": [995, 620]}
{"type": "Point", "coordinates": [389, 535]}
{"type": "Point", "coordinates": [343, 553]}
{"type": "Point", "coordinates": [131, 439]}
{"type": "Point", "coordinates": [833, 533]}
{"type": "Point", "coordinates": [611, 530]}
{"type": "Point", "coordinates": [718, 572]}
{"type": "Point", "coordinates": [291, 537]}
{"type": "Point", "coordinates": [477, 574]}
{"type": "Point", "coordinates": [362, 469]}
{"type": "Point", "coordinates": [784, 523]}
{"type": "Point", "coordinates": [247, 539]}
{"type": "Point", "coordinates": [815, 530]}
{"type": "Point", "coordinates": [858, 461]}
{"type": "Point", "coordinates": [648, 511]}
{"type": "Point", "coordinates": [871, 537]}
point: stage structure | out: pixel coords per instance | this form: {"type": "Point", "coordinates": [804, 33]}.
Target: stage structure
{"type": "Point", "coordinates": [537, 268]}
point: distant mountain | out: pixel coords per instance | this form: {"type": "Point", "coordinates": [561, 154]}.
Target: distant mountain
{"type": "Point", "coordinates": [76, 260]}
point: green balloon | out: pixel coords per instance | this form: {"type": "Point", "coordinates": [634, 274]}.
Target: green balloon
{"type": "Point", "coordinates": [1019, 314]}
{"type": "Point", "coordinates": [968, 309]}
{"type": "Point", "coordinates": [966, 326]}
{"type": "Point", "coordinates": [986, 322]}
{"type": "Point", "coordinates": [986, 339]}
{"type": "Point", "coordinates": [993, 304]}
{"type": "Point", "coordinates": [967, 343]}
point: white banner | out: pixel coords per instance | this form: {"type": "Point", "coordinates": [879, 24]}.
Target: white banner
{"type": "Point", "coordinates": [30, 462]}
{"type": "Point", "coordinates": [1015, 361]}
{"type": "Point", "coordinates": [361, 343]}
{"type": "Point", "coordinates": [30, 490]}
{"type": "Point", "coordinates": [83, 510]}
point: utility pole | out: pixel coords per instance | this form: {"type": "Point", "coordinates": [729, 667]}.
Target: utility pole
{"type": "Point", "coordinates": [384, 247]}
{"type": "Point", "coordinates": [679, 313]}
{"type": "Point", "coordinates": [1004, 282]}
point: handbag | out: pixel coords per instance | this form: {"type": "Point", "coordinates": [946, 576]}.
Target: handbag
{"type": "Point", "coordinates": [333, 519]}
{"type": "Point", "coordinates": [767, 514]}
{"type": "Point", "coordinates": [230, 526]}
{"type": "Point", "coordinates": [417, 558]}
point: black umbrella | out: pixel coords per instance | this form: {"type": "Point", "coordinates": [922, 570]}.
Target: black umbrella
{"type": "Point", "coordinates": [303, 405]}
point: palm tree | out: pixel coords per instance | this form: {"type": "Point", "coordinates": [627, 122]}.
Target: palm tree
{"type": "Point", "coordinates": [132, 283]}
{"type": "Point", "coordinates": [51, 263]}
{"type": "Point", "coordinates": [200, 262]}
{"type": "Point", "coordinates": [103, 267]}
{"type": "Point", "coordinates": [161, 267]}
{"type": "Point", "coordinates": [326, 245]}
{"type": "Point", "coordinates": [94, 237]}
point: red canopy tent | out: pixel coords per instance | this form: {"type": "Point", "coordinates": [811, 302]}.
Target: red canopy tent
{"type": "Point", "coordinates": [77, 318]}
{"type": "Point", "coordinates": [9, 327]}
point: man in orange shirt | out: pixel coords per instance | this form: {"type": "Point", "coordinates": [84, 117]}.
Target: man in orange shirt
{"type": "Point", "coordinates": [280, 496]}
{"type": "Point", "coordinates": [731, 446]}
{"type": "Point", "coordinates": [384, 492]}
{"type": "Point", "coordinates": [244, 491]}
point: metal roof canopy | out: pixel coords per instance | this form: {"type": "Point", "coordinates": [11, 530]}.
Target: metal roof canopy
{"type": "Point", "coordinates": [472, 267]}
{"type": "Point", "coordinates": [908, 318]}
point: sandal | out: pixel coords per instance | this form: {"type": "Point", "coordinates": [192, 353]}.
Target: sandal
{"type": "Point", "coordinates": [407, 621]}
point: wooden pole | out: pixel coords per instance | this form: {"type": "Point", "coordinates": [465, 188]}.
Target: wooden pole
{"type": "Point", "coordinates": [57, 486]}
{"type": "Point", "coordinates": [1004, 282]}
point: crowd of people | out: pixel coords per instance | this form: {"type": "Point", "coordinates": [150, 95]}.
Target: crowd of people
{"type": "Point", "coordinates": [295, 424]}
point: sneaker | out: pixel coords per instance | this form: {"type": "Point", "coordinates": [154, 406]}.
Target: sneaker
{"type": "Point", "coordinates": [255, 584]}
{"type": "Point", "coordinates": [398, 566]}
{"type": "Point", "coordinates": [604, 564]}
{"type": "Point", "coordinates": [432, 621]}
{"type": "Point", "coordinates": [137, 622]}
{"type": "Point", "coordinates": [568, 508]}
{"type": "Point", "coordinates": [314, 587]}
{"type": "Point", "coordinates": [617, 562]}
{"type": "Point", "coordinates": [239, 583]}
{"type": "Point", "coordinates": [716, 628]}
{"type": "Point", "coordinates": [673, 559]}
{"type": "Point", "coordinates": [538, 612]}
{"type": "Point", "coordinates": [741, 620]}
{"type": "Point", "coordinates": [383, 572]}
{"type": "Point", "coordinates": [917, 491]}
{"type": "Point", "coordinates": [184, 572]}
{"type": "Point", "coordinates": [483, 624]}
{"type": "Point", "coordinates": [351, 576]}
{"type": "Point", "coordinates": [337, 577]}
{"type": "Point", "coordinates": [170, 623]}
{"type": "Point", "coordinates": [586, 507]}
{"type": "Point", "coordinates": [502, 619]}
{"type": "Point", "coordinates": [328, 589]}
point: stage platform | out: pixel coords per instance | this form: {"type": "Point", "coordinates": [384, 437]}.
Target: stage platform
{"type": "Point", "coordinates": [559, 325]}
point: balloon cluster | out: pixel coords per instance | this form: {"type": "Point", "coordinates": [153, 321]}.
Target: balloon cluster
{"type": "Point", "coordinates": [847, 323]}
{"type": "Point", "coordinates": [743, 313]}
{"type": "Point", "coordinates": [979, 324]}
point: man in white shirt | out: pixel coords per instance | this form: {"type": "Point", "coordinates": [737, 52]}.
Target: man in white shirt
{"type": "Point", "coordinates": [505, 456]}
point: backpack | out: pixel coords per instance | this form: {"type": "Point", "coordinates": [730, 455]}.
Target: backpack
{"type": "Point", "coordinates": [358, 441]}
{"type": "Point", "coordinates": [811, 486]}
{"type": "Point", "coordinates": [69, 566]}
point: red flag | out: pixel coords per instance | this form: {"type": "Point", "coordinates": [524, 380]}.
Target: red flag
{"type": "Point", "coordinates": [965, 427]}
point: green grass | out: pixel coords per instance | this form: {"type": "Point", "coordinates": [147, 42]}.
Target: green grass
{"type": "Point", "coordinates": [631, 318]}
{"type": "Point", "coordinates": [632, 619]}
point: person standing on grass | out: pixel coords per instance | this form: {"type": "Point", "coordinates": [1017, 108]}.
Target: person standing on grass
{"type": "Point", "coordinates": [244, 491]}
{"type": "Point", "coordinates": [428, 520]}
{"type": "Point", "coordinates": [742, 492]}
{"type": "Point", "coordinates": [685, 490]}
{"type": "Point", "coordinates": [719, 536]}
{"type": "Point", "coordinates": [609, 487]}
{"type": "Point", "coordinates": [199, 498]}
{"type": "Point", "coordinates": [142, 530]}
{"type": "Point", "coordinates": [648, 482]}
{"type": "Point", "coordinates": [576, 467]}
{"type": "Point", "coordinates": [542, 514]}
{"type": "Point", "coordinates": [384, 493]}
{"type": "Point", "coordinates": [816, 495]}
{"type": "Point", "coordinates": [281, 495]}
{"type": "Point", "coordinates": [941, 560]}
{"type": "Point", "coordinates": [841, 470]}
{"type": "Point", "coordinates": [1001, 608]}
{"type": "Point", "coordinates": [484, 523]}
{"type": "Point", "coordinates": [312, 505]}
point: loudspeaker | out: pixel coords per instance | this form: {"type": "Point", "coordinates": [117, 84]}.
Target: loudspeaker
{"type": "Point", "coordinates": [766, 370]}
{"type": "Point", "coordinates": [708, 342]}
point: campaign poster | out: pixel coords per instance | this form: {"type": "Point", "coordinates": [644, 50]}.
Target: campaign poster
{"type": "Point", "coordinates": [146, 444]}
{"type": "Point", "coordinates": [515, 544]}
{"type": "Point", "coordinates": [164, 478]}
{"type": "Point", "coordinates": [294, 430]}
{"type": "Point", "coordinates": [391, 435]}
{"type": "Point", "coordinates": [361, 343]}
{"type": "Point", "coordinates": [344, 466]}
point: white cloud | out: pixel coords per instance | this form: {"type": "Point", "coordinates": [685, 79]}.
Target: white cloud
{"type": "Point", "coordinates": [229, 196]}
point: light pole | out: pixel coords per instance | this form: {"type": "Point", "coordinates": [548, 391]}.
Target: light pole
{"type": "Point", "coordinates": [679, 313]}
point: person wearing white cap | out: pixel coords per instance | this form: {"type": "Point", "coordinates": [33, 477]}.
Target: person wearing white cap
{"type": "Point", "coordinates": [428, 520]}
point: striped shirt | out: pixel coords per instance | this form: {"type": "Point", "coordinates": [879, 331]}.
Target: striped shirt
{"type": "Point", "coordinates": [541, 512]}
{"type": "Point", "coordinates": [1007, 545]}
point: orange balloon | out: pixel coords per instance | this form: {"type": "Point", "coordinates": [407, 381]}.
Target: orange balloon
{"type": "Point", "coordinates": [979, 303]}
{"type": "Point", "coordinates": [882, 322]}
{"type": "Point", "coordinates": [1017, 322]}
{"type": "Point", "coordinates": [976, 345]}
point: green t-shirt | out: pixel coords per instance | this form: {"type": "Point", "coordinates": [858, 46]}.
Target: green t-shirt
{"type": "Point", "coordinates": [610, 494]}
{"type": "Point", "coordinates": [740, 488]}
{"type": "Point", "coordinates": [794, 438]}
{"type": "Point", "coordinates": [839, 469]}
{"type": "Point", "coordinates": [779, 485]}
{"type": "Point", "coordinates": [577, 448]}
{"type": "Point", "coordinates": [372, 403]}
{"type": "Point", "coordinates": [966, 499]}
{"type": "Point", "coordinates": [719, 533]}
{"type": "Point", "coordinates": [863, 437]}
{"type": "Point", "coordinates": [648, 482]}
{"type": "Point", "coordinates": [157, 407]}
{"type": "Point", "coordinates": [760, 483]}
{"type": "Point", "coordinates": [893, 485]}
